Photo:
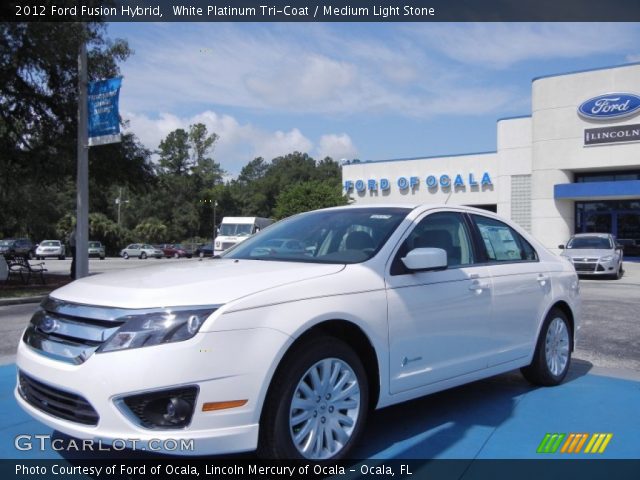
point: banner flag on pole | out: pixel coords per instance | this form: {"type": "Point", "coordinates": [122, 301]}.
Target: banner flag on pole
{"type": "Point", "coordinates": [104, 118]}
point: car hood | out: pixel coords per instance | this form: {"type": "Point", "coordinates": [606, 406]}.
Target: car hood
{"type": "Point", "coordinates": [587, 252]}
{"type": "Point", "coordinates": [207, 282]}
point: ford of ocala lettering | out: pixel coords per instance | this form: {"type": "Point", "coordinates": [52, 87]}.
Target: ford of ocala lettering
{"type": "Point", "coordinates": [285, 351]}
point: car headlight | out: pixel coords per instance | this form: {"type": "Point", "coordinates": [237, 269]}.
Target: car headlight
{"type": "Point", "coordinates": [157, 328]}
{"type": "Point", "coordinates": [606, 258]}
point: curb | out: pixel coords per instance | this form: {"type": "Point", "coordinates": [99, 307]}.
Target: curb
{"type": "Point", "coordinates": [20, 301]}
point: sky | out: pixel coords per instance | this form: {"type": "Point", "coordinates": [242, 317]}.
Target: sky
{"type": "Point", "coordinates": [372, 91]}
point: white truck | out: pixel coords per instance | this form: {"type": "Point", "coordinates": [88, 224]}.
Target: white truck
{"type": "Point", "coordinates": [234, 230]}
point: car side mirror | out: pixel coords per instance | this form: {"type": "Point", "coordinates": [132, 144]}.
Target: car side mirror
{"type": "Point", "coordinates": [619, 247]}
{"type": "Point", "coordinates": [422, 259]}
{"type": "Point", "coordinates": [561, 247]}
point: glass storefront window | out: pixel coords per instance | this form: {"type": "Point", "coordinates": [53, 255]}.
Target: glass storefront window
{"type": "Point", "coordinates": [607, 176]}
{"type": "Point", "coordinates": [618, 217]}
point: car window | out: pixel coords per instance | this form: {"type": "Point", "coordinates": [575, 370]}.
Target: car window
{"type": "Point", "coordinates": [502, 243]}
{"type": "Point", "coordinates": [445, 230]}
{"type": "Point", "coordinates": [595, 242]}
{"type": "Point", "coordinates": [324, 236]}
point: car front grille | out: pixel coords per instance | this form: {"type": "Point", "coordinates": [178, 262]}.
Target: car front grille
{"type": "Point", "coordinates": [56, 402]}
{"type": "Point", "coordinates": [584, 267]}
{"type": "Point", "coordinates": [226, 245]}
{"type": "Point", "coordinates": [71, 332]}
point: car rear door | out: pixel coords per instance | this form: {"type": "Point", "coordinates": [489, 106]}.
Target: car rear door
{"type": "Point", "coordinates": [521, 289]}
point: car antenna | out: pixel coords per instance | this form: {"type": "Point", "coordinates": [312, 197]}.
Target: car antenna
{"type": "Point", "coordinates": [448, 197]}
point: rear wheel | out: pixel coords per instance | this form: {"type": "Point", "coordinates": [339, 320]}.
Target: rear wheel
{"type": "Point", "coordinates": [317, 404]}
{"type": "Point", "coordinates": [176, 255]}
{"type": "Point", "coordinates": [552, 357]}
{"type": "Point", "coordinates": [125, 255]}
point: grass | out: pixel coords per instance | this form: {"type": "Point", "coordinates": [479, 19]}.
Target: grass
{"type": "Point", "coordinates": [14, 288]}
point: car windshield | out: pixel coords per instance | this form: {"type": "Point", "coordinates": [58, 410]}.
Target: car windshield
{"type": "Point", "coordinates": [597, 243]}
{"type": "Point", "coordinates": [324, 236]}
{"type": "Point", "coordinates": [5, 243]}
{"type": "Point", "coordinates": [50, 243]}
{"type": "Point", "coordinates": [94, 244]}
{"type": "Point", "coordinates": [235, 229]}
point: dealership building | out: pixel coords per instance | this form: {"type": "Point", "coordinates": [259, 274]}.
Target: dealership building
{"type": "Point", "coordinates": [571, 166]}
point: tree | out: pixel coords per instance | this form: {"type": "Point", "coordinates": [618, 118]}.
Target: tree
{"type": "Point", "coordinates": [302, 197]}
{"type": "Point", "coordinates": [38, 125]}
{"type": "Point", "coordinates": [150, 230]}
{"type": "Point", "coordinates": [174, 153]}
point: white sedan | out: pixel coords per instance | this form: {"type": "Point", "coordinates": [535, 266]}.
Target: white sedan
{"type": "Point", "coordinates": [50, 248]}
{"type": "Point", "coordinates": [288, 353]}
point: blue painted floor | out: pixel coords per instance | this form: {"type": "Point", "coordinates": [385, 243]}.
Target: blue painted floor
{"type": "Point", "coordinates": [500, 418]}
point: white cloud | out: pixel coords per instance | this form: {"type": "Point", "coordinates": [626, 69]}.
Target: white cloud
{"type": "Point", "coordinates": [315, 70]}
{"type": "Point", "coordinates": [239, 143]}
{"type": "Point", "coordinates": [336, 147]}
{"type": "Point", "coordinates": [503, 44]}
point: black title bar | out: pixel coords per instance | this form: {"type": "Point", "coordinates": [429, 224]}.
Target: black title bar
{"type": "Point", "coordinates": [321, 10]}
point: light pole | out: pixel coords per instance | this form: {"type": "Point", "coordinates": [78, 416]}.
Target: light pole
{"type": "Point", "coordinates": [213, 243]}
{"type": "Point", "coordinates": [119, 202]}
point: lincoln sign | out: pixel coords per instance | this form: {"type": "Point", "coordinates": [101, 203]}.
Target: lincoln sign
{"type": "Point", "coordinates": [617, 134]}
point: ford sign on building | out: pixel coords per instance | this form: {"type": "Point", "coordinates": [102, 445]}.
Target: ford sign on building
{"type": "Point", "coordinates": [610, 106]}
{"type": "Point", "coordinates": [571, 166]}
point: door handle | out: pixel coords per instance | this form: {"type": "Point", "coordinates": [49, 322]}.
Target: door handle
{"type": "Point", "coordinates": [542, 279]}
{"type": "Point", "coordinates": [478, 286]}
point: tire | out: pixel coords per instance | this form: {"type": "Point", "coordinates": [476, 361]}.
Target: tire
{"type": "Point", "coordinates": [552, 356]}
{"type": "Point", "coordinates": [125, 255]}
{"type": "Point", "coordinates": [620, 272]}
{"type": "Point", "coordinates": [176, 255]}
{"type": "Point", "coordinates": [293, 379]}
{"type": "Point", "coordinates": [143, 256]}
{"type": "Point", "coordinates": [101, 258]}
{"type": "Point", "coordinates": [61, 257]}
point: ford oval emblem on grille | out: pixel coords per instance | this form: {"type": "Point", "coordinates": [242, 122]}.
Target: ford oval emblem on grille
{"type": "Point", "coordinates": [48, 325]}
{"type": "Point", "coordinates": [610, 105]}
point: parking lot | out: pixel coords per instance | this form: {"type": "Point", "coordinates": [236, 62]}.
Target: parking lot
{"type": "Point", "coordinates": [501, 417]}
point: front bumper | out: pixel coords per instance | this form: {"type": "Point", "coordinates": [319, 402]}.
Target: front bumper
{"type": "Point", "coordinates": [596, 268]}
{"type": "Point", "coordinates": [225, 366]}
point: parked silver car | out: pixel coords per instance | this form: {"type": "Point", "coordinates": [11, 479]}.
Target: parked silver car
{"type": "Point", "coordinates": [140, 250]}
{"type": "Point", "coordinates": [96, 249]}
{"type": "Point", "coordinates": [594, 254]}
{"type": "Point", "coordinates": [50, 248]}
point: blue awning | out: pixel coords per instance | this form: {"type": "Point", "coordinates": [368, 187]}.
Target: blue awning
{"type": "Point", "coordinates": [621, 190]}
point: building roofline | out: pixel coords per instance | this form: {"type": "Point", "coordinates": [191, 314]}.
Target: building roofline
{"type": "Point", "coordinates": [513, 118]}
{"type": "Point", "coordinates": [623, 65]}
{"type": "Point", "coordinates": [423, 158]}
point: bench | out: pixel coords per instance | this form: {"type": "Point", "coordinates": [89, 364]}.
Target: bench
{"type": "Point", "coordinates": [19, 265]}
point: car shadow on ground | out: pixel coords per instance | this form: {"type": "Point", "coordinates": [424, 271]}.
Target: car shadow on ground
{"type": "Point", "coordinates": [424, 428]}
{"type": "Point", "coordinates": [427, 427]}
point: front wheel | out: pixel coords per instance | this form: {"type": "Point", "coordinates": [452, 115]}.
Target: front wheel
{"type": "Point", "coordinates": [125, 255]}
{"type": "Point", "coordinates": [143, 256]}
{"type": "Point", "coordinates": [317, 404]}
{"type": "Point", "coordinates": [552, 357]}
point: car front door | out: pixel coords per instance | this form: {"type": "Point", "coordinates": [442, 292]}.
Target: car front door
{"type": "Point", "coordinates": [521, 289]}
{"type": "Point", "coordinates": [438, 320]}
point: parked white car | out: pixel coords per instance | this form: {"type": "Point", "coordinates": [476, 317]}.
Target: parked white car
{"type": "Point", "coordinates": [140, 250]}
{"type": "Point", "coordinates": [287, 354]}
{"type": "Point", "coordinates": [50, 248]}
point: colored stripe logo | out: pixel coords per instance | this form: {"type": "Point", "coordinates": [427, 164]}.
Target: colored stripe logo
{"type": "Point", "coordinates": [574, 443]}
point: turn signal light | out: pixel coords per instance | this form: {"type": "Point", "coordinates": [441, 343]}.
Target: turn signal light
{"type": "Point", "coordinates": [211, 406]}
